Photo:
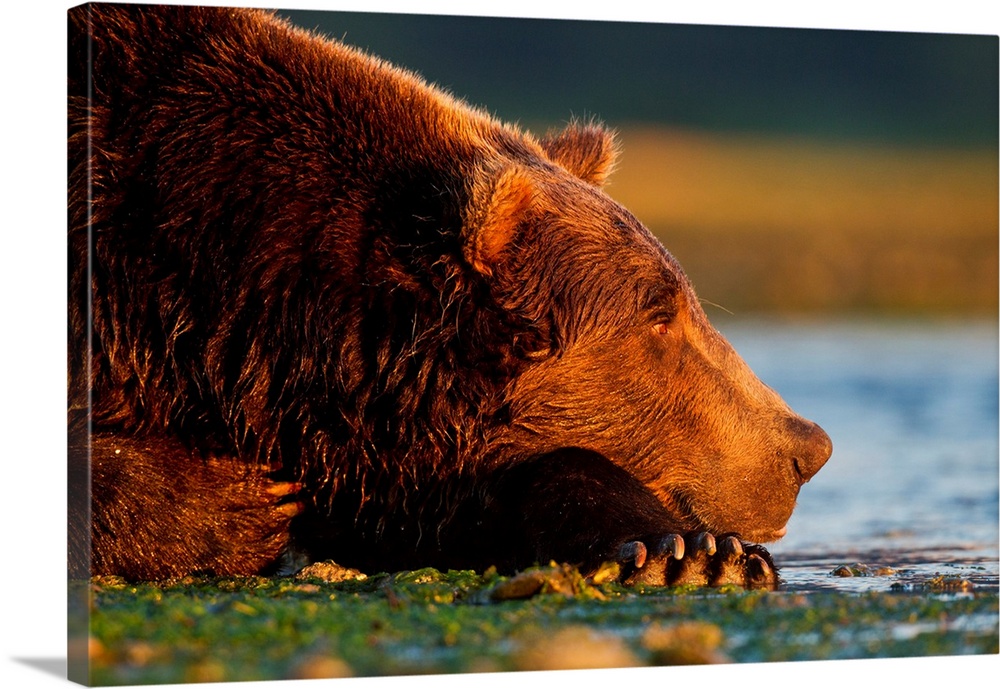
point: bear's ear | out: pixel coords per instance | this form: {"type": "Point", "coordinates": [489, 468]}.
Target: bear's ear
{"type": "Point", "coordinates": [588, 151]}
{"type": "Point", "coordinates": [499, 203]}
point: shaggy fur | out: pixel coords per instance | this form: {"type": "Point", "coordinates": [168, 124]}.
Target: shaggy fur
{"type": "Point", "coordinates": [314, 301]}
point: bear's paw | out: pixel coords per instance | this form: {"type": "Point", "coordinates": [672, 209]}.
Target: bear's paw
{"type": "Point", "coordinates": [698, 559]}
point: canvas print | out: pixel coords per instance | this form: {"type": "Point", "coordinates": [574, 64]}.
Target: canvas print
{"type": "Point", "coordinates": [407, 344]}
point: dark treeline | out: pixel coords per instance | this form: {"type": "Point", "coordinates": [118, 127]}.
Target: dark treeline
{"type": "Point", "coordinates": [935, 89]}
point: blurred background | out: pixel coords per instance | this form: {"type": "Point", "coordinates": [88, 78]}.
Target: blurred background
{"type": "Point", "coordinates": [833, 196]}
{"type": "Point", "coordinates": [796, 171]}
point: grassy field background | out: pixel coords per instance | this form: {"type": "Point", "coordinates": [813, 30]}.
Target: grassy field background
{"type": "Point", "coordinates": [808, 226]}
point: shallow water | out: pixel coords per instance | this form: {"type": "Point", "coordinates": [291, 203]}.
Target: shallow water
{"type": "Point", "coordinates": [912, 409]}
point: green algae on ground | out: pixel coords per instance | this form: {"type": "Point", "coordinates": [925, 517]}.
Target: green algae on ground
{"type": "Point", "coordinates": [425, 621]}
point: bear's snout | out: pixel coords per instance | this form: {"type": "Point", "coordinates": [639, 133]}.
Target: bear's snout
{"type": "Point", "coordinates": [810, 450]}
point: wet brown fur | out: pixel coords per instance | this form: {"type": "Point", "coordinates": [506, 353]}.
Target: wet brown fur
{"type": "Point", "coordinates": [306, 265]}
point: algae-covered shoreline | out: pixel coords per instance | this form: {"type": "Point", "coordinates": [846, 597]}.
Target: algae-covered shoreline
{"type": "Point", "coordinates": [427, 622]}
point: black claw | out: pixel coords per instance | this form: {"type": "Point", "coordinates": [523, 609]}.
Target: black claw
{"type": "Point", "coordinates": [731, 547]}
{"type": "Point", "coordinates": [760, 567]}
{"type": "Point", "coordinates": [705, 543]}
{"type": "Point", "coordinates": [757, 569]}
{"type": "Point", "coordinates": [634, 552]}
{"type": "Point", "coordinates": [671, 545]}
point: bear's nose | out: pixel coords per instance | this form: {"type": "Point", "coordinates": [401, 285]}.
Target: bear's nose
{"type": "Point", "coordinates": [811, 448]}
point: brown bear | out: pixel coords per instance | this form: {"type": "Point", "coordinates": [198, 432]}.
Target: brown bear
{"type": "Point", "coordinates": [319, 307]}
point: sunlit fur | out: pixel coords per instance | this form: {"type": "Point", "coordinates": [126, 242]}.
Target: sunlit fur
{"type": "Point", "coordinates": [299, 257]}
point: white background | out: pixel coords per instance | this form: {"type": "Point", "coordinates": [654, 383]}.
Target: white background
{"type": "Point", "coordinates": [32, 344]}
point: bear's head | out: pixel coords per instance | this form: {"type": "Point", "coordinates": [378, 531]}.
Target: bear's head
{"type": "Point", "coordinates": [622, 358]}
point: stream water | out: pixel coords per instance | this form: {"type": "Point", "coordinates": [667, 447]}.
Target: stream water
{"type": "Point", "coordinates": [912, 409]}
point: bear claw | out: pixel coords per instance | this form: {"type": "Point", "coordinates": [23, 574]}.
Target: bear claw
{"type": "Point", "coordinates": [634, 552]}
{"type": "Point", "coordinates": [698, 560]}
{"type": "Point", "coordinates": [671, 544]}
{"type": "Point", "coordinates": [731, 547]}
{"type": "Point", "coordinates": [758, 572]}
{"type": "Point", "coordinates": [705, 543]}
